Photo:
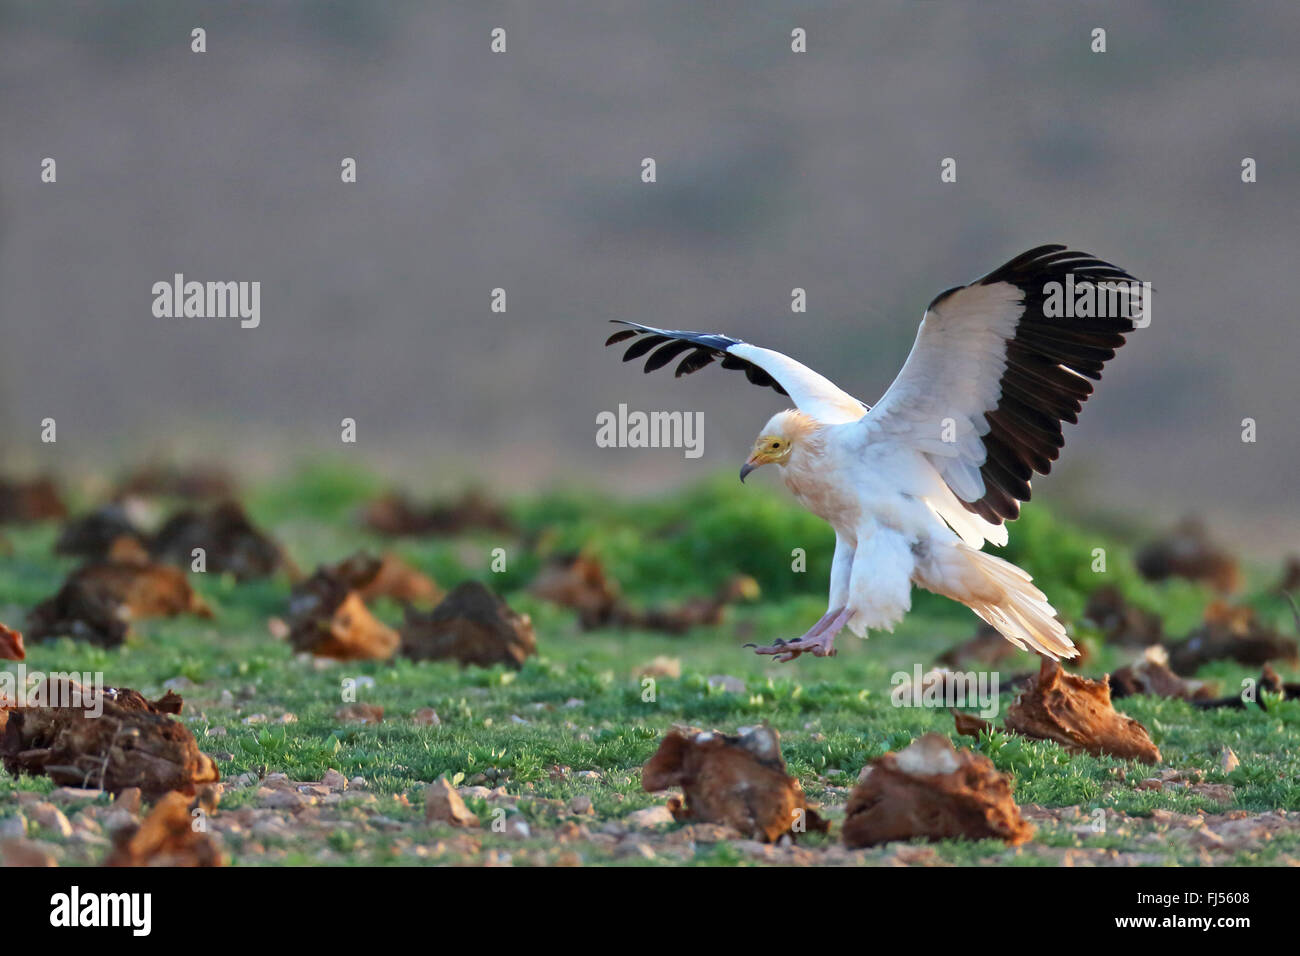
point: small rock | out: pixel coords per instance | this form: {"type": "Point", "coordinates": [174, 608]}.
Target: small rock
{"type": "Point", "coordinates": [50, 817]}
{"type": "Point", "coordinates": [650, 818]}
{"type": "Point", "coordinates": [360, 713]}
{"type": "Point", "coordinates": [634, 848]}
{"type": "Point", "coordinates": [357, 783]}
{"type": "Point", "coordinates": [13, 828]}
{"type": "Point", "coordinates": [279, 799]}
{"type": "Point", "coordinates": [73, 794]}
{"type": "Point", "coordinates": [443, 804]}
{"type": "Point", "coordinates": [581, 804]}
{"type": "Point", "coordinates": [517, 828]}
{"type": "Point", "coordinates": [26, 853]}
{"type": "Point", "coordinates": [334, 780]}
{"type": "Point", "coordinates": [660, 666]}
{"type": "Point", "coordinates": [129, 800]}
{"type": "Point", "coordinates": [426, 717]}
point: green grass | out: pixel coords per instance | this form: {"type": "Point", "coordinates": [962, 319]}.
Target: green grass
{"type": "Point", "coordinates": [578, 704]}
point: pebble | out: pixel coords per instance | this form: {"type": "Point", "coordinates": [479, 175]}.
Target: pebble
{"type": "Point", "coordinates": [649, 818]}
{"type": "Point", "coordinates": [426, 717]}
{"type": "Point", "coordinates": [73, 794]}
{"type": "Point", "coordinates": [279, 799]}
{"type": "Point", "coordinates": [50, 817]}
{"type": "Point", "coordinates": [129, 800]}
{"type": "Point", "coordinates": [27, 853]}
{"type": "Point", "coordinates": [444, 805]}
{"type": "Point", "coordinates": [634, 848]}
{"type": "Point", "coordinates": [581, 804]}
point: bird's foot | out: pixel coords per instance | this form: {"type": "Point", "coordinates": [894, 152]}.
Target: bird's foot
{"type": "Point", "coordinates": [819, 641]}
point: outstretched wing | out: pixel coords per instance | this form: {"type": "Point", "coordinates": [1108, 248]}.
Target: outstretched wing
{"type": "Point", "coordinates": [991, 378]}
{"type": "Point", "coordinates": [813, 394]}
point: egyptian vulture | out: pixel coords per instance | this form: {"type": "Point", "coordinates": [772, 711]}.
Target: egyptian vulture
{"type": "Point", "coordinates": [915, 485]}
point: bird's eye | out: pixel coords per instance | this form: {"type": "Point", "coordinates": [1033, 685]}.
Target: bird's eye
{"type": "Point", "coordinates": [775, 445]}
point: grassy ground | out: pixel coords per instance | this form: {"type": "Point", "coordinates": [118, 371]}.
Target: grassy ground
{"type": "Point", "coordinates": [575, 720]}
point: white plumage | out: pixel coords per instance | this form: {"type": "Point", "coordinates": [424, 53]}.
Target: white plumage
{"type": "Point", "coordinates": [916, 485]}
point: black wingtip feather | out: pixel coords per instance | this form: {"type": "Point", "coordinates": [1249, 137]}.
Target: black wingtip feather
{"type": "Point", "coordinates": [701, 349]}
{"type": "Point", "coordinates": [1045, 380]}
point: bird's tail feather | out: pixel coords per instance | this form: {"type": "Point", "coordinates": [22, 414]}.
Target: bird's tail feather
{"type": "Point", "coordinates": [1004, 596]}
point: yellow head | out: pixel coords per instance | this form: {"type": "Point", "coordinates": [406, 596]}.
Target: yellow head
{"type": "Point", "coordinates": [779, 439]}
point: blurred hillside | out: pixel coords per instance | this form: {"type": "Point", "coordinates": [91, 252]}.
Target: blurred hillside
{"type": "Point", "coordinates": [521, 171]}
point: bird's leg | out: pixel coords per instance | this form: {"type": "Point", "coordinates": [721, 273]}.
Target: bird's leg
{"type": "Point", "coordinates": [819, 641]}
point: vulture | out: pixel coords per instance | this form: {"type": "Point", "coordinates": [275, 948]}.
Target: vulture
{"type": "Point", "coordinates": [915, 485]}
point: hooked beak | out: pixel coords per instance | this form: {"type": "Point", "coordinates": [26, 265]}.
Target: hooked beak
{"type": "Point", "coordinates": [746, 468]}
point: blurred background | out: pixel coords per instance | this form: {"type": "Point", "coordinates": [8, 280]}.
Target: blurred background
{"type": "Point", "coordinates": [522, 171]}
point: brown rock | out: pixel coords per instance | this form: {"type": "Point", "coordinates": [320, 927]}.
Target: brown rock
{"type": "Point", "coordinates": [932, 791]}
{"type": "Point", "coordinates": [396, 579]}
{"type": "Point", "coordinates": [395, 514]}
{"type": "Point", "coordinates": [168, 836]}
{"type": "Point", "coordinates": [691, 613]}
{"type": "Point", "coordinates": [1188, 552]}
{"type": "Point", "coordinates": [443, 804]}
{"type": "Point", "coordinates": [33, 500]}
{"type": "Point", "coordinates": [1121, 622]}
{"type": "Point", "coordinates": [1231, 633]}
{"type": "Point", "coordinates": [1151, 675]}
{"type": "Point", "coordinates": [131, 744]}
{"type": "Point", "coordinates": [231, 543]}
{"type": "Point", "coordinates": [1077, 713]}
{"type": "Point", "coordinates": [472, 625]}
{"type": "Point", "coordinates": [92, 536]}
{"type": "Point", "coordinates": [360, 713]}
{"type": "Point", "coordinates": [99, 600]}
{"type": "Point", "coordinates": [737, 781]}
{"type": "Point", "coordinates": [11, 645]}
{"type": "Point", "coordinates": [194, 481]}
{"type": "Point", "coordinates": [345, 630]}
{"type": "Point", "coordinates": [370, 577]}
{"type": "Point", "coordinates": [579, 582]}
